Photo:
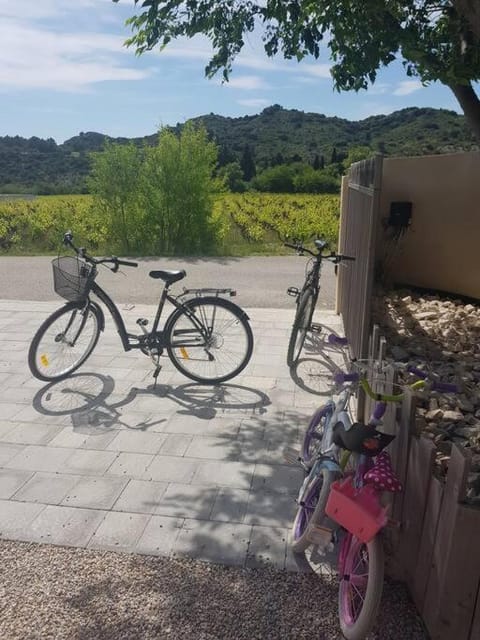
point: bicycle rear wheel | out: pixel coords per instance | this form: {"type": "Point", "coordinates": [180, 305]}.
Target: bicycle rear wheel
{"type": "Point", "coordinates": [214, 345]}
{"type": "Point", "coordinates": [64, 341]}
{"type": "Point", "coordinates": [311, 509]}
{"type": "Point", "coordinates": [301, 324]}
{"type": "Point", "coordinates": [361, 586]}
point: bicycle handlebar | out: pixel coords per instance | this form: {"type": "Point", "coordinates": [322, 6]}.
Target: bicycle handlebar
{"type": "Point", "coordinates": [443, 387]}
{"type": "Point", "coordinates": [333, 257]}
{"type": "Point", "coordinates": [68, 240]}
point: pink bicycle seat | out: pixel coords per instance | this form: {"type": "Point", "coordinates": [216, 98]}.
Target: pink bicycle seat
{"type": "Point", "coordinates": [382, 476]}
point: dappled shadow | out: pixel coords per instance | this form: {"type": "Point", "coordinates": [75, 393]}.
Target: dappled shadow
{"type": "Point", "coordinates": [98, 594]}
{"type": "Point", "coordinates": [90, 399]}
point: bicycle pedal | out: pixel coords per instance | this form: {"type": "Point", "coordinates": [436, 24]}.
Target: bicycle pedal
{"type": "Point", "coordinates": [142, 322]}
{"type": "Point", "coordinates": [291, 456]}
{"type": "Point", "coordinates": [316, 328]}
{"type": "Point", "coordinates": [293, 291]}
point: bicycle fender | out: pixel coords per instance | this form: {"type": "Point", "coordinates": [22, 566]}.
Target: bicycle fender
{"type": "Point", "coordinates": [100, 315]}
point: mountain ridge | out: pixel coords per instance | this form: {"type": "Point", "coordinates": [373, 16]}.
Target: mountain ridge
{"type": "Point", "coordinates": [274, 136]}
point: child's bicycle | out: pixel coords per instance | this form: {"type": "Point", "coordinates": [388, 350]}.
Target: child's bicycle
{"type": "Point", "coordinates": [332, 499]}
{"type": "Point", "coordinates": [207, 337]}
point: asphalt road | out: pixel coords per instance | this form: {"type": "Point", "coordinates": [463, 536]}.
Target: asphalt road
{"type": "Point", "coordinates": [261, 282]}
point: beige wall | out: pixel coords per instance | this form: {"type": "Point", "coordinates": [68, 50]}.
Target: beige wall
{"type": "Point", "coordinates": [441, 249]}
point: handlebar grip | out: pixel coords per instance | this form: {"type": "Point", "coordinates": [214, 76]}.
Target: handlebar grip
{"type": "Point", "coordinates": [333, 339]}
{"type": "Point", "coordinates": [342, 257]}
{"type": "Point", "coordinates": [291, 246]}
{"type": "Point", "coordinates": [126, 263]}
{"type": "Point", "coordinates": [445, 387]}
{"type": "Point", "coordinates": [341, 377]}
{"type": "Point", "coordinates": [417, 372]}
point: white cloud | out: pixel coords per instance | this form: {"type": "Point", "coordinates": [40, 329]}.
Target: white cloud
{"type": "Point", "coordinates": [36, 57]}
{"type": "Point", "coordinates": [254, 102]}
{"type": "Point", "coordinates": [317, 70]}
{"type": "Point", "coordinates": [247, 83]}
{"type": "Point", "coordinates": [406, 87]}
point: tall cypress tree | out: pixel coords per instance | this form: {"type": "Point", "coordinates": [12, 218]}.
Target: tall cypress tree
{"type": "Point", "coordinates": [247, 163]}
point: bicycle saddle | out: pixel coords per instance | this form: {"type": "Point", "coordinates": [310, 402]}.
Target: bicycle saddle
{"type": "Point", "coordinates": [168, 276]}
{"type": "Point", "coordinates": [361, 438]}
{"type": "Point", "coordinates": [320, 244]}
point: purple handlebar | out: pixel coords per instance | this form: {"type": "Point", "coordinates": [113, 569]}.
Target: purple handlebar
{"type": "Point", "coordinates": [341, 377]}
{"type": "Point", "coordinates": [417, 372]}
{"type": "Point", "coordinates": [380, 409]}
{"type": "Point", "coordinates": [445, 387]}
{"type": "Point", "coordinates": [333, 339]}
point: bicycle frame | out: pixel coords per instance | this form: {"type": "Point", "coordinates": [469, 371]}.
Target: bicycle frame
{"type": "Point", "coordinates": [126, 338]}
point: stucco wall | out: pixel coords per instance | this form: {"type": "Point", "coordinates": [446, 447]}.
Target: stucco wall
{"type": "Point", "coordinates": [441, 248]}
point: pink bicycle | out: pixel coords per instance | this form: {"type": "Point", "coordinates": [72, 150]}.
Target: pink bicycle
{"type": "Point", "coordinates": [346, 505]}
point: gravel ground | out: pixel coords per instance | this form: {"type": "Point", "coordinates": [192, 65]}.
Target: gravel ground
{"type": "Point", "coordinates": [56, 593]}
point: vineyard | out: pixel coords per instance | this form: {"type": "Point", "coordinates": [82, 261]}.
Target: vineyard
{"type": "Point", "coordinates": [249, 223]}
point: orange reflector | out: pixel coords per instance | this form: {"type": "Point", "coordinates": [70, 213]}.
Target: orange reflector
{"type": "Point", "coordinates": [184, 353]}
{"type": "Point", "coordinates": [44, 360]}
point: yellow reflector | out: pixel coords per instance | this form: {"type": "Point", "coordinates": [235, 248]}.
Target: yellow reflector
{"type": "Point", "coordinates": [184, 353]}
{"type": "Point", "coordinates": [44, 360]}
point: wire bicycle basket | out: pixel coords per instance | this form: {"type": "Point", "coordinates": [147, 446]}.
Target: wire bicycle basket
{"type": "Point", "coordinates": [72, 278]}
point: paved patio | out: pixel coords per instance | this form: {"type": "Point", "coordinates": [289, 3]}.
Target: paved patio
{"type": "Point", "coordinates": [104, 460]}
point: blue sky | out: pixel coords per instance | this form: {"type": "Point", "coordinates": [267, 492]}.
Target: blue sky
{"type": "Point", "coordinates": [64, 69]}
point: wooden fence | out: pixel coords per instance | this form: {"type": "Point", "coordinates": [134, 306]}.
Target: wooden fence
{"type": "Point", "coordinates": [435, 548]}
{"type": "Point", "coordinates": [359, 220]}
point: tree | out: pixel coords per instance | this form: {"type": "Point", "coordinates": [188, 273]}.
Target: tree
{"type": "Point", "coordinates": [247, 163]}
{"type": "Point", "coordinates": [436, 39]}
{"type": "Point", "coordinates": [178, 188]}
{"type": "Point", "coordinates": [114, 183]}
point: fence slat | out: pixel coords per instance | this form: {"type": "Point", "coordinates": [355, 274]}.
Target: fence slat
{"type": "Point", "coordinates": [461, 578]}
{"type": "Point", "coordinates": [427, 542]}
{"type": "Point", "coordinates": [445, 537]}
{"type": "Point", "coordinates": [475, 628]}
{"type": "Point", "coordinates": [412, 511]}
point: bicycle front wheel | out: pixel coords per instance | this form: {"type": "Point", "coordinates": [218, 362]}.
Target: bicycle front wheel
{"type": "Point", "coordinates": [314, 434]}
{"type": "Point", "coordinates": [301, 324]}
{"type": "Point", "coordinates": [311, 508]}
{"type": "Point", "coordinates": [210, 341]}
{"type": "Point", "coordinates": [64, 341]}
{"type": "Point", "coordinates": [361, 586]}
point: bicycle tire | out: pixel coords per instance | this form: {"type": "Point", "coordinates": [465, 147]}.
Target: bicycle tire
{"type": "Point", "coordinates": [314, 432]}
{"type": "Point", "coordinates": [301, 324]}
{"type": "Point", "coordinates": [312, 511]}
{"type": "Point", "coordinates": [40, 356]}
{"type": "Point", "coordinates": [356, 625]}
{"type": "Point", "coordinates": [232, 320]}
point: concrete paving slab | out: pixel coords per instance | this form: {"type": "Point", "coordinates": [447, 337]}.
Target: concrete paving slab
{"type": "Point", "coordinates": [16, 519]}
{"type": "Point", "coordinates": [106, 460]}
{"type": "Point", "coordinates": [95, 492]}
{"type": "Point", "coordinates": [47, 488]}
{"type": "Point", "coordinates": [141, 496]}
{"type": "Point", "coordinates": [219, 542]}
{"type": "Point", "coordinates": [268, 546]}
{"type": "Point", "coordinates": [65, 525]}
{"type": "Point", "coordinates": [159, 536]}
{"type": "Point", "coordinates": [11, 481]}
{"type": "Point", "coordinates": [119, 531]}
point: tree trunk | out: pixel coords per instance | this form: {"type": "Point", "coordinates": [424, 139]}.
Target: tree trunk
{"type": "Point", "coordinates": [470, 104]}
{"type": "Point", "coordinates": [470, 10]}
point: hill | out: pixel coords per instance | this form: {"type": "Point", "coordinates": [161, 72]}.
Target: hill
{"type": "Point", "coordinates": [275, 136]}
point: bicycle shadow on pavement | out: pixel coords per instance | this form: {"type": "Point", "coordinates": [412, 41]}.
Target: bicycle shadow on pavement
{"type": "Point", "coordinates": [90, 399]}
{"type": "Point", "coordinates": [318, 363]}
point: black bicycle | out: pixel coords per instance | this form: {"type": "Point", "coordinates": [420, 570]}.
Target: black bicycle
{"type": "Point", "coordinates": [207, 337]}
{"type": "Point", "coordinates": [307, 297]}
